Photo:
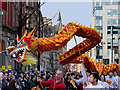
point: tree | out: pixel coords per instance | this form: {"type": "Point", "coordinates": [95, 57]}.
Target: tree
{"type": "Point", "coordinates": [23, 16]}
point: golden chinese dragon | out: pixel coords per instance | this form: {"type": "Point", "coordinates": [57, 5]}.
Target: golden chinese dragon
{"type": "Point", "coordinates": [28, 43]}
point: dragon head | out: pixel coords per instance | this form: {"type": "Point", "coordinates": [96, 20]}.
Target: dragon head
{"type": "Point", "coordinates": [25, 45]}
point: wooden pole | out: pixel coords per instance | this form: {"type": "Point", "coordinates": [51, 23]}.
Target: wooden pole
{"type": "Point", "coordinates": [71, 78]}
{"type": "Point", "coordinates": [79, 52]}
{"type": "Point", "coordinates": [37, 76]}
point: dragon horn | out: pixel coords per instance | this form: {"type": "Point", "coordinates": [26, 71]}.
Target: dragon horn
{"type": "Point", "coordinates": [17, 37]}
{"type": "Point", "coordinates": [29, 35]}
{"type": "Point", "coordinates": [32, 35]}
{"type": "Point", "coordinates": [24, 34]}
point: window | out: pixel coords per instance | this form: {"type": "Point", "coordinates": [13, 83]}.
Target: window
{"type": "Point", "coordinates": [118, 21]}
{"type": "Point", "coordinates": [106, 3]}
{"type": "Point", "coordinates": [101, 60]}
{"type": "Point", "coordinates": [109, 22]}
{"type": "Point", "coordinates": [115, 22]}
{"type": "Point", "coordinates": [115, 33]}
{"type": "Point", "coordinates": [106, 61]}
{"type": "Point", "coordinates": [98, 47]}
{"type": "Point", "coordinates": [100, 52]}
{"type": "Point", "coordinates": [98, 12]}
{"type": "Point", "coordinates": [116, 52]}
{"type": "Point", "coordinates": [96, 60]}
{"type": "Point", "coordinates": [115, 48]}
{"type": "Point", "coordinates": [98, 17]}
{"type": "Point", "coordinates": [115, 29]}
{"type": "Point", "coordinates": [97, 22]}
{"type": "Point", "coordinates": [98, 8]}
{"type": "Point", "coordinates": [108, 42]}
{"type": "Point", "coordinates": [100, 31]}
{"type": "Point", "coordinates": [108, 52]}
{"type": "Point", "coordinates": [97, 4]}
{"type": "Point", "coordinates": [108, 33]}
{"type": "Point", "coordinates": [115, 3]}
{"type": "Point", "coordinates": [116, 60]}
{"type": "Point", "coordinates": [108, 29]}
{"type": "Point", "coordinates": [115, 12]}
{"type": "Point", "coordinates": [101, 23]}
{"type": "Point", "coordinates": [115, 43]}
{"type": "Point", "coordinates": [118, 12]}
{"type": "Point", "coordinates": [99, 27]}
{"type": "Point", "coordinates": [109, 11]}
{"type": "Point", "coordinates": [112, 12]}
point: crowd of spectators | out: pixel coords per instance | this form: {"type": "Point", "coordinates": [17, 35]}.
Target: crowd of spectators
{"type": "Point", "coordinates": [27, 80]}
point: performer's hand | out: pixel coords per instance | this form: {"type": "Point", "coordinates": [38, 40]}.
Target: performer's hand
{"type": "Point", "coordinates": [15, 84]}
{"type": "Point", "coordinates": [82, 61]}
{"type": "Point", "coordinates": [8, 84]}
{"type": "Point", "coordinates": [39, 79]}
{"type": "Point", "coordinates": [25, 79]}
{"type": "Point", "coordinates": [73, 79]}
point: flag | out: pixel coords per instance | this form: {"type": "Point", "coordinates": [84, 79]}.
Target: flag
{"type": "Point", "coordinates": [83, 71]}
{"type": "Point", "coordinates": [3, 5]}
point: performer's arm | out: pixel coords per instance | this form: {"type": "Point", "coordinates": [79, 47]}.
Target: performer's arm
{"type": "Point", "coordinates": [45, 84]}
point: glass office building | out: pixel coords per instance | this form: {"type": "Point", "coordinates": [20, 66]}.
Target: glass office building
{"type": "Point", "coordinates": [106, 20]}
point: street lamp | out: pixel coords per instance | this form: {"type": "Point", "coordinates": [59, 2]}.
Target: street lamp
{"type": "Point", "coordinates": [119, 44]}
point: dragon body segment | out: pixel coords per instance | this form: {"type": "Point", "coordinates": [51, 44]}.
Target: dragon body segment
{"type": "Point", "coordinates": [59, 41]}
{"type": "Point", "coordinates": [92, 39]}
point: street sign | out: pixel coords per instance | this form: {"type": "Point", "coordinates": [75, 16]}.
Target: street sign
{"type": "Point", "coordinates": [9, 67]}
{"type": "Point", "coordinates": [3, 68]}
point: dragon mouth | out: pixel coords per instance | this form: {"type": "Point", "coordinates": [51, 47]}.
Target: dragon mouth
{"type": "Point", "coordinates": [19, 53]}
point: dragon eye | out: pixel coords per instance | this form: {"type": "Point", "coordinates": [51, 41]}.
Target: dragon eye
{"type": "Point", "coordinates": [20, 43]}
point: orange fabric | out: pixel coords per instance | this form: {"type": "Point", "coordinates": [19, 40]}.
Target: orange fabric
{"type": "Point", "coordinates": [85, 84]}
{"type": "Point", "coordinates": [109, 82]}
{"type": "Point", "coordinates": [100, 67]}
{"type": "Point", "coordinates": [92, 39]}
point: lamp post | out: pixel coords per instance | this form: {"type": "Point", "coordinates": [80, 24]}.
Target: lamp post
{"type": "Point", "coordinates": [38, 67]}
{"type": "Point", "coordinates": [111, 27]}
{"type": "Point", "coordinates": [112, 44]}
{"type": "Point", "coordinates": [119, 45]}
{"type": "Point", "coordinates": [118, 27]}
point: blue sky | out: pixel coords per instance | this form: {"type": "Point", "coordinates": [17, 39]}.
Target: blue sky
{"type": "Point", "coordinates": [80, 12]}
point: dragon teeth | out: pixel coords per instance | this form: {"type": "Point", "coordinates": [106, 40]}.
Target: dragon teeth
{"type": "Point", "coordinates": [19, 49]}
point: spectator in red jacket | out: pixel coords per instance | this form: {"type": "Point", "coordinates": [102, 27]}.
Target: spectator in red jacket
{"type": "Point", "coordinates": [56, 83]}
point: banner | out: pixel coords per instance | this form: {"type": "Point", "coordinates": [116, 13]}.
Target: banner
{"type": "Point", "coordinates": [3, 5]}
